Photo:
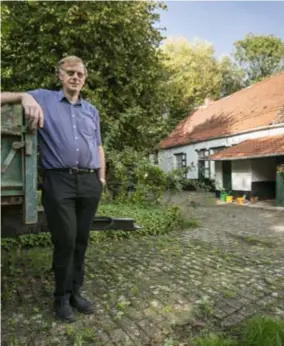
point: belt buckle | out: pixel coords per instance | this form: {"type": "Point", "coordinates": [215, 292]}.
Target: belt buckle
{"type": "Point", "coordinates": [73, 170]}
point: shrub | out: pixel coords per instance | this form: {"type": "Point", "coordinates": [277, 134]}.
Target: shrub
{"type": "Point", "coordinates": [131, 176]}
{"type": "Point", "coordinates": [154, 220]}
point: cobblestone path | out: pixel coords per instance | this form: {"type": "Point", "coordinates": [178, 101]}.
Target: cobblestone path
{"type": "Point", "coordinates": [148, 289]}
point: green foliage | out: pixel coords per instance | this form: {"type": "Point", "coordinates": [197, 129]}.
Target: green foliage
{"type": "Point", "coordinates": [232, 77]}
{"type": "Point", "coordinates": [26, 241]}
{"type": "Point", "coordinates": [263, 331]}
{"type": "Point", "coordinates": [133, 178]}
{"type": "Point", "coordinates": [176, 180]}
{"type": "Point", "coordinates": [258, 331]}
{"type": "Point", "coordinates": [154, 220]}
{"type": "Point", "coordinates": [118, 42]}
{"type": "Point", "coordinates": [205, 306]}
{"type": "Point", "coordinates": [191, 74]}
{"type": "Point", "coordinates": [260, 56]}
{"type": "Point", "coordinates": [214, 340]}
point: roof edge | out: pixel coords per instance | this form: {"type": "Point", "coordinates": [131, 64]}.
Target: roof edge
{"type": "Point", "coordinates": [246, 157]}
{"type": "Point", "coordinates": [256, 129]}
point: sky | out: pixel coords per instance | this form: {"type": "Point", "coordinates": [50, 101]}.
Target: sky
{"type": "Point", "coordinates": [222, 22]}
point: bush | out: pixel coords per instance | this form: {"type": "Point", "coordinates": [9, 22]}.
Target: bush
{"type": "Point", "coordinates": [26, 241]}
{"type": "Point", "coordinates": [205, 185]}
{"type": "Point", "coordinates": [131, 176]}
{"type": "Point", "coordinates": [154, 220]}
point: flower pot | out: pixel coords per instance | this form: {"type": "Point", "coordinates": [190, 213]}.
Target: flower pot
{"type": "Point", "coordinates": [229, 199]}
{"type": "Point", "coordinates": [240, 200]}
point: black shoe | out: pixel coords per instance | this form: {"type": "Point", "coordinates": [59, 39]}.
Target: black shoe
{"type": "Point", "coordinates": [81, 304]}
{"type": "Point", "coordinates": [63, 310]}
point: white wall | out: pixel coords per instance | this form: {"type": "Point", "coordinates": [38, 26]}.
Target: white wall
{"type": "Point", "coordinates": [166, 157]}
{"type": "Point", "coordinates": [264, 169]}
{"type": "Point", "coordinates": [218, 175]}
{"type": "Point", "coordinates": [241, 175]}
{"type": "Point", "coordinates": [167, 160]}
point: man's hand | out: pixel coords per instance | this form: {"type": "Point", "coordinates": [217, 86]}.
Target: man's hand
{"type": "Point", "coordinates": [103, 182]}
{"type": "Point", "coordinates": [33, 111]}
{"type": "Point", "coordinates": [102, 168]}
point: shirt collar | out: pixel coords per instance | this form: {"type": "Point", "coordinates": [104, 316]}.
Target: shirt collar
{"type": "Point", "coordinates": [62, 97]}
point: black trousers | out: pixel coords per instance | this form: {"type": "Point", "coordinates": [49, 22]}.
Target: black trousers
{"type": "Point", "coordinates": [70, 202]}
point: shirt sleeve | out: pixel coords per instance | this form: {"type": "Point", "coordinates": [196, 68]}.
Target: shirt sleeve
{"type": "Point", "coordinates": [38, 95]}
{"type": "Point", "coordinates": [99, 137]}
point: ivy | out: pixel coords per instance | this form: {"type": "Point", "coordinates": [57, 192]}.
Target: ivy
{"type": "Point", "coordinates": [153, 220]}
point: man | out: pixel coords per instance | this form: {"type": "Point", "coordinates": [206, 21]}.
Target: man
{"type": "Point", "coordinates": [72, 157]}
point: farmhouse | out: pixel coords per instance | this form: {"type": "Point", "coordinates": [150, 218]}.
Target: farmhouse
{"type": "Point", "coordinates": [237, 141]}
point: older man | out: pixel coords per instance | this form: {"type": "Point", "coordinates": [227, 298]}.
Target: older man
{"type": "Point", "coordinates": [72, 157]}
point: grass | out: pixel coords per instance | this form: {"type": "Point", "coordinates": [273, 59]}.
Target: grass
{"type": "Point", "coordinates": [263, 331]}
{"type": "Point", "coordinates": [254, 241]}
{"type": "Point", "coordinates": [215, 340]}
{"type": "Point", "coordinates": [258, 331]}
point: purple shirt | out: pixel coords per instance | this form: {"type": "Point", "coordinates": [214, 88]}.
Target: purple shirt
{"type": "Point", "coordinates": [71, 133]}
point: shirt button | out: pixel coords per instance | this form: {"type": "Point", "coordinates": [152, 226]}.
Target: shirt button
{"type": "Point", "coordinates": [74, 126]}
{"type": "Point", "coordinates": [77, 162]}
{"type": "Point", "coordinates": [73, 115]}
{"type": "Point", "coordinates": [76, 137]}
{"type": "Point", "coordinates": [77, 149]}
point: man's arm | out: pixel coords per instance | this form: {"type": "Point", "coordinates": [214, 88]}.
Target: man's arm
{"type": "Point", "coordinates": [102, 169]}
{"type": "Point", "coordinates": [8, 97]}
{"type": "Point", "coordinates": [33, 111]}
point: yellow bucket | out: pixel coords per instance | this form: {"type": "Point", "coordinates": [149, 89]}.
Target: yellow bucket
{"type": "Point", "coordinates": [229, 199]}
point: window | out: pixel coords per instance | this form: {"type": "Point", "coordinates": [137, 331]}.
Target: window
{"type": "Point", "coordinates": [180, 159]}
{"type": "Point", "coordinates": [204, 165]}
{"type": "Point", "coordinates": [217, 149]}
{"type": "Point", "coordinates": [156, 158]}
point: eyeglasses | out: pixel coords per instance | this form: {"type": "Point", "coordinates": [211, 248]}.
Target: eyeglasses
{"type": "Point", "coordinates": [71, 73]}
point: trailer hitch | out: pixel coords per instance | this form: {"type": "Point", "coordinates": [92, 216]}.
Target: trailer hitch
{"type": "Point", "coordinates": [104, 223]}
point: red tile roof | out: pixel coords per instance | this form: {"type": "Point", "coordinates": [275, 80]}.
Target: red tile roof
{"type": "Point", "coordinates": [258, 105]}
{"type": "Point", "coordinates": [259, 147]}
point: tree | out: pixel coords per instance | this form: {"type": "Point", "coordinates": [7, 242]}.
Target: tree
{"type": "Point", "coordinates": [191, 75]}
{"type": "Point", "coordinates": [232, 77]}
{"type": "Point", "coordinates": [260, 56]}
{"type": "Point", "coordinates": [118, 42]}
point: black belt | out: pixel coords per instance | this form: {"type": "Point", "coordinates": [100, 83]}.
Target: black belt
{"type": "Point", "coordinates": [74, 170]}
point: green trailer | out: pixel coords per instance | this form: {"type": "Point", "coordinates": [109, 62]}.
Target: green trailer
{"type": "Point", "coordinates": [20, 213]}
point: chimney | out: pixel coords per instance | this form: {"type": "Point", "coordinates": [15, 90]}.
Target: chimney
{"type": "Point", "coordinates": [207, 102]}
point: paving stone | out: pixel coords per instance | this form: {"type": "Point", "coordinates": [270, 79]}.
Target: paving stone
{"type": "Point", "coordinates": [144, 288]}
